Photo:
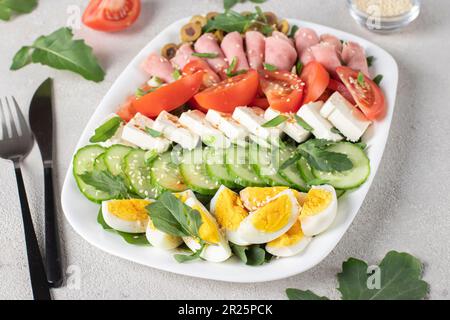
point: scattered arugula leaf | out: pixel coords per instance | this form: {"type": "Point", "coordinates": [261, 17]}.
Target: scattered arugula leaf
{"type": "Point", "coordinates": [275, 121]}
{"type": "Point", "coordinates": [58, 50]}
{"type": "Point", "coordinates": [399, 276]}
{"type": "Point", "coordinates": [378, 79]}
{"type": "Point", "coordinates": [106, 130]}
{"type": "Point", "coordinates": [270, 67]}
{"type": "Point", "coordinates": [154, 133]}
{"type": "Point", "coordinates": [253, 255]}
{"type": "Point", "coordinates": [299, 67]}
{"type": "Point", "coordinates": [206, 55]}
{"type": "Point", "coordinates": [296, 294]}
{"type": "Point", "coordinates": [104, 181]}
{"type": "Point", "coordinates": [293, 31]}
{"type": "Point", "coordinates": [10, 7]}
{"type": "Point", "coordinates": [131, 238]}
{"type": "Point", "coordinates": [181, 258]}
{"type": "Point", "coordinates": [303, 123]}
{"type": "Point", "coordinates": [361, 80]}
{"type": "Point", "coordinates": [370, 60]}
{"type": "Point", "coordinates": [260, 14]}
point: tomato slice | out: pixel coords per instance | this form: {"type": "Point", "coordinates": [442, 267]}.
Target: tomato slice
{"type": "Point", "coordinates": [316, 78]}
{"type": "Point", "coordinates": [262, 103]}
{"type": "Point", "coordinates": [127, 111]}
{"type": "Point", "coordinates": [169, 96]}
{"type": "Point", "coordinates": [210, 78]}
{"type": "Point", "coordinates": [283, 89]}
{"type": "Point", "coordinates": [338, 86]}
{"type": "Point", "coordinates": [230, 93]}
{"type": "Point", "coordinates": [368, 96]}
{"type": "Point", "coordinates": [111, 15]}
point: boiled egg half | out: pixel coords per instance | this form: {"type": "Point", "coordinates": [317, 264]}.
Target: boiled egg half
{"type": "Point", "coordinates": [290, 243]}
{"type": "Point", "coordinates": [126, 215]}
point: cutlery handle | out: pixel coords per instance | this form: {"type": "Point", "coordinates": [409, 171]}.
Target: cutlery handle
{"type": "Point", "coordinates": [38, 278]}
{"type": "Point", "coordinates": [52, 253]}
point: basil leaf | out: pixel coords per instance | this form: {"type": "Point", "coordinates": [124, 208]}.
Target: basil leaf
{"type": "Point", "coordinates": [154, 133]}
{"type": "Point", "coordinates": [270, 67]}
{"type": "Point", "coordinates": [106, 130]}
{"type": "Point", "coordinates": [106, 182]}
{"type": "Point", "coordinates": [58, 50]}
{"type": "Point", "coordinates": [275, 121]}
{"type": "Point", "coordinates": [296, 294]}
{"type": "Point", "coordinates": [361, 80]}
{"type": "Point", "coordinates": [8, 7]}
{"type": "Point", "coordinates": [207, 55]}
{"type": "Point", "coordinates": [293, 31]}
{"type": "Point", "coordinates": [303, 124]}
{"type": "Point", "coordinates": [181, 258]}
{"type": "Point", "coordinates": [378, 79]}
{"type": "Point", "coordinates": [370, 60]}
{"type": "Point", "coordinates": [315, 153]}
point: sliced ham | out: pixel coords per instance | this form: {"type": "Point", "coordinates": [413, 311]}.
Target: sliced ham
{"type": "Point", "coordinates": [183, 56]}
{"type": "Point", "coordinates": [307, 56]}
{"type": "Point", "coordinates": [255, 45]}
{"type": "Point", "coordinates": [158, 66]}
{"type": "Point", "coordinates": [207, 43]}
{"type": "Point", "coordinates": [354, 56]}
{"type": "Point", "coordinates": [280, 53]}
{"type": "Point", "coordinates": [326, 54]}
{"type": "Point", "coordinates": [233, 47]}
{"type": "Point", "coordinates": [334, 41]}
{"type": "Point", "coordinates": [281, 35]}
{"type": "Point", "coordinates": [304, 39]}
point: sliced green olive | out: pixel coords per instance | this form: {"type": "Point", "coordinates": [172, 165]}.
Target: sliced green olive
{"type": "Point", "coordinates": [211, 15]}
{"type": "Point", "coordinates": [271, 18]}
{"type": "Point", "coordinates": [219, 35]}
{"type": "Point", "coordinates": [190, 32]}
{"type": "Point", "coordinates": [169, 50]}
{"type": "Point", "coordinates": [201, 20]}
{"type": "Point", "coordinates": [283, 26]}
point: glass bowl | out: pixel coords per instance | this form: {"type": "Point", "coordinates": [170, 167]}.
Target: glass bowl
{"type": "Point", "coordinates": [375, 22]}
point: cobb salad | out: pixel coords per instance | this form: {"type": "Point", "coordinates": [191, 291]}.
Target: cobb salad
{"type": "Point", "coordinates": [241, 142]}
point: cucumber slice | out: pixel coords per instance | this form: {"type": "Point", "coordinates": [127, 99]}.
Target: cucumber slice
{"type": "Point", "coordinates": [138, 174]}
{"type": "Point", "coordinates": [216, 167]}
{"type": "Point", "coordinates": [193, 171]}
{"type": "Point", "coordinates": [166, 174]}
{"type": "Point", "coordinates": [305, 170]}
{"type": "Point", "coordinates": [239, 167]}
{"type": "Point", "coordinates": [265, 163]}
{"type": "Point", "coordinates": [100, 164]}
{"type": "Point", "coordinates": [84, 161]}
{"type": "Point", "coordinates": [352, 178]}
{"type": "Point", "coordinates": [292, 173]}
{"type": "Point", "coordinates": [340, 193]}
{"type": "Point", "coordinates": [114, 158]}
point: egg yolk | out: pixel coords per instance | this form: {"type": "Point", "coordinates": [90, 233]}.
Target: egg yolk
{"type": "Point", "coordinates": [229, 210]}
{"type": "Point", "coordinates": [208, 231]}
{"type": "Point", "coordinates": [129, 210]}
{"type": "Point", "coordinates": [274, 215]}
{"type": "Point", "coordinates": [255, 197]}
{"type": "Point", "coordinates": [316, 201]}
{"type": "Point", "coordinates": [291, 237]}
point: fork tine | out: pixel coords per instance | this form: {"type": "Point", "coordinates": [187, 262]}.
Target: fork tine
{"type": "Point", "coordinates": [14, 131]}
{"type": "Point", "coordinates": [4, 128]}
{"type": "Point", "coordinates": [22, 122]}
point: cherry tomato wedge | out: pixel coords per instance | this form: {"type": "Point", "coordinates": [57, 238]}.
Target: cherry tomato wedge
{"type": "Point", "coordinates": [111, 15]}
{"type": "Point", "coordinates": [262, 103]}
{"type": "Point", "coordinates": [126, 111]}
{"type": "Point", "coordinates": [230, 93]}
{"type": "Point", "coordinates": [283, 89]}
{"type": "Point", "coordinates": [338, 86]}
{"type": "Point", "coordinates": [316, 78]}
{"type": "Point", "coordinates": [210, 78]}
{"type": "Point", "coordinates": [367, 94]}
{"type": "Point", "coordinates": [169, 96]}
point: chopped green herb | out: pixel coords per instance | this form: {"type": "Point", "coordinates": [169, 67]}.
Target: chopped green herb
{"type": "Point", "coordinates": [230, 70]}
{"type": "Point", "coordinates": [335, 130]}
{"type": "Point", "coordinates": [275, 121]}
{"type": "Point", "coordinates": [176, 74]}
{"type": "Point", "coordinates": [299, 67]}
{"type": "Point", "coordinates": [270, 67]}
{"type": "Point", "coordinates": [141, 92]}
{"type": "Point", "coordinates": [293, 31]}
{"type": "Point", "coordinates": [154, 133]}
{"type": "Point", "coordinates": [260, 14]}
{"type": "Point", "coordinates": [206, 55]}
{"type": "Point", "coordinates": [303, 124]}
{"type": "Point", "coordinates": [361, 79]}
{"type": "Point", "coordinates": [378, 79]}
{"type": "Point", "coordinates": [370, 61]}
{"type": "Point", "coordinates": [106, 130]}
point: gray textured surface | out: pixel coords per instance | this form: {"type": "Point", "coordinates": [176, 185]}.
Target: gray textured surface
{"type": "Point", "coordinates": [407, 209]}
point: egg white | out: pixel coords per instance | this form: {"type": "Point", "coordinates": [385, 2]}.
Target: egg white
{"type": "Point", "coordinates": [290, 250]}
{"type": "Point", "coordinates": [247, 231]}
{"type": "Point", "coordinates": [318, 223]}
{"type": "Point", "coordinates": [160, 239]}
{"type": "Point", "coordinates": [136, 226]}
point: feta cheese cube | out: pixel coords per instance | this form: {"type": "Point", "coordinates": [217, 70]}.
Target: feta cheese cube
{"type": "Point", "coordinates": [321, 127]}
{"type": "Point", "coordinates": [290, 126]}
{"type": "Point", "coordinates": [253, 119]}
{"type": "Point", "coordinates": [173, 130]}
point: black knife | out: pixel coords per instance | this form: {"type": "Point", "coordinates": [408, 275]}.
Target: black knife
{"type": "Point", "coordinates": [41, 122]}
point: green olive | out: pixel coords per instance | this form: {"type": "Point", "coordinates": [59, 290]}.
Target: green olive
{"type": "Point", "coordinates": [169, 50]}
{"type": "Point", "coordinates": [211, 15]}
{"type": "Point", "coordinates": [271, 18]}
{"type": "Point", "coordinates": [201, 20]}
{"type": "Point", "coordinates": [219, 35]}
{"type": "Point", "coordinates": [283, 26]}
{"type": "Point", "coordinates": [190, 32]}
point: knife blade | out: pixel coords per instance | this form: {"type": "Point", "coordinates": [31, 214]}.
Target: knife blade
{"type": "Point", "coordinates": [41, 123]}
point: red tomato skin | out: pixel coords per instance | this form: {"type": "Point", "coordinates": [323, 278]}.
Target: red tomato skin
{"type": "Point", "coordinates": [337, 85]}
{"type": "Point", "coordinates": [316, 78]}
{"type": "Point", "coordinates": [210, 78]}
{"type": "Point", "coordinates": [127, 111]}
{"type": "Point", "coordinates": [97, 17]}
{"type": "Point", "coordinates": [262, 103]}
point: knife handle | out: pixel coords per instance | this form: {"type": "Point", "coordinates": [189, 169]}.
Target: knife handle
{"type": "Point", "coordinates": [52, 253]}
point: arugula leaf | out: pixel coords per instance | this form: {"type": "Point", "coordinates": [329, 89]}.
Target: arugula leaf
{"type": "Point", "coordinates": [231, 21]}
{"type": "Point", "coordinates": [181, 258]}
{"type": "Point", "coordinates": [378, 79]}
{"type": "Point", "coordinates": [314, 151]}
{"type": "Point", "coordinates": [253, 255]}
{"type": "Point", "coordinates": [275, 121]}
{"type": "Point", "coordinates": [8, 7]}
{"type": "Point", "coordinates": [303, 123]}
{"type": "Point", "coordinates": [154, 133]}
{"type": "Point", "coordinates": [172, 216]}
{"type": "Point", "coordinates": [400, 275]}
{"type": "Point", "coordinates": [106, 182]}
{"type": "Point", "coordinates": [361, 79]}
{"type": "Point", "coordinates": [58, 50]}
{"type": "Point", "coordinates": [228, 4]}
{"type": "Point", "coordinates": [370, 60]}
{"type": "Point", "coordinates": [205, 55]}
{"type": "Point", "coordinates": [270, 67]}
{"type": "Point", "coordinates": [296, 294]}
{"type": "Point", "coordinates": [131, 238]}
{"type": "Point", "coordinates": [106, 130]}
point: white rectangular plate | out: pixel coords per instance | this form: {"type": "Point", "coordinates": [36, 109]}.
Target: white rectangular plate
{"type": "Point", "coordinates": [82, 214]}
